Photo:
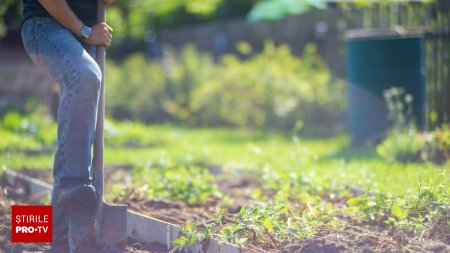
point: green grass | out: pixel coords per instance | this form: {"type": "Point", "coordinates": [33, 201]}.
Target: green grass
{"type": "Point", "coordinates": [318, 159]}
{"type": "Point", "coordinates": [17, 160]}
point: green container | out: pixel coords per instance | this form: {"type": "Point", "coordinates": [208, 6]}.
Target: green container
{"type": "Point", "coordinates": [377, 61]}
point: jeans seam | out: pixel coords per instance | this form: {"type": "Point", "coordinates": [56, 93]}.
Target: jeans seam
{"type": "Point", "coordinates": [73, 77]}
{"type": "Point", "coordinates": [33, 37]}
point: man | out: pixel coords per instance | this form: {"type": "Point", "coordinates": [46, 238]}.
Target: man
{"type": "Point", "coordinates": [60, 36]}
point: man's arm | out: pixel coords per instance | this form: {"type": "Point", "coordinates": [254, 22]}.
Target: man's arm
{"type": "Point", "coordinates": [61, 12]}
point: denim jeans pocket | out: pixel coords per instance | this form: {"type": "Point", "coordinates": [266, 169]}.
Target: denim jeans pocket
{"type": "Point", "coordinates": [29, 40]}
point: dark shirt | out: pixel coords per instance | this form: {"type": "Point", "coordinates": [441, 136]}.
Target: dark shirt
{"type": "Point", "coordinates": [86, 10]}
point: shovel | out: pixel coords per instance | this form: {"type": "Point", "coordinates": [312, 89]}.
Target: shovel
{"type": "Point", "coordinates": [100, 228]}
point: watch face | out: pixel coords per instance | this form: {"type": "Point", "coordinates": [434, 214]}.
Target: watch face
{"type": "Point", "coordinates": [86, 32]}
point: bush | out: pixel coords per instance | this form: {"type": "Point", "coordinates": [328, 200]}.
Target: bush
{"type": "Point", "coordinates": [271, 90]}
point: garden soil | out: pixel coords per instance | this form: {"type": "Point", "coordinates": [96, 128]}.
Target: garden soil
{"type": "Point", "coordinates": [341, 239]}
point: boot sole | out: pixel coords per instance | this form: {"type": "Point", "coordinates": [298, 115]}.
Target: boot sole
{"type": "Point", "coordinates": [80, 195]}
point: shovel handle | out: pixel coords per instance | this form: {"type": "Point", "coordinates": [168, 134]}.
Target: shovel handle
{"type": "Point", "coordinates": [99, 139]}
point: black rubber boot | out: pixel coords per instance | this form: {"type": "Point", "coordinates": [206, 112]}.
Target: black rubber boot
{"type": "Point", "coordinates": [76, 193]}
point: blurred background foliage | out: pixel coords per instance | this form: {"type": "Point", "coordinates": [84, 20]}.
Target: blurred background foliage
{"type": "Point", "coordinates": [270, 90]}
{"type": "Point", "coordinates": [10, 14]}
{"type": "Point", "coordinates": [134, 19]}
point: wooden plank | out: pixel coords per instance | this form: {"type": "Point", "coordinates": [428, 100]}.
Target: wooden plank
{"type": "Point", "coordinates": [146, 229]}
{"type": "Point", "coordinates": [38, 189]}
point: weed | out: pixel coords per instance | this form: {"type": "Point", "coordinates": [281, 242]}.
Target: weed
{"type": "Point", "coordinates": [190, 184]}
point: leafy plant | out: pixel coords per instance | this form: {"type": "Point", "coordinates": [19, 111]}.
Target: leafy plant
{"type": "Point", "coordinates": [374, 207]}
{"type": "Point", "coordinates": [190, 184]}
{"type": "Point", "coordinates": [413, 213]}
{"type": "Point", "coordinates": [189, 235]}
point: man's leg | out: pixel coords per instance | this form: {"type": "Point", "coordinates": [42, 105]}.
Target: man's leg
{"type": "Point", "coordinates": [58, 51]}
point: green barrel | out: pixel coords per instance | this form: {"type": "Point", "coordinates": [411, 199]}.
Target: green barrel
{"type": "Point", "coordinates": [376, 62]}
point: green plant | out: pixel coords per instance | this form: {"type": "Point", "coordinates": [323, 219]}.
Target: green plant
{"type": "Point", "coordinates": [189, 235]}
{"type": "Point", "coordinates": [374, 207]}
{"type": "Point", "coordinates": [190, 184]}
{"type": "Point", "coordinates": [410, 145]}
{"type": "Point", "coordinates": [273, 223]}
{"type": "Point", "coordinates": [400, 146]}
{"type": "Point", "coordinates": [32, 131]}
{"type": "Point", "coordinates": [400, 108]}
{"type": "Point", "coordinates": [414, 213]}
{"type": "Point", "coordinates": [401, 143]}
{"type": "Point", "coordinates": [436, 145]}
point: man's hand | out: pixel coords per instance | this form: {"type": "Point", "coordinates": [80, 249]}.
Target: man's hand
{"type": "Point", "coordinates": [101, 35]}
{"type": "Point", "coordinates": [108, 2]}
{"type": "Point", "coordinates": [61, 12]}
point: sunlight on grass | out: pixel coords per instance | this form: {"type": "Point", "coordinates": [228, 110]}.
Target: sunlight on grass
{"type": "Point", "coordinates": [17, 161]}
{"type": "Point", "coordinates": [320, 160]}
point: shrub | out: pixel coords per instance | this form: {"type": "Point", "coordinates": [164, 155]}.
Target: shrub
{"type": "Point", "coordinates": [271, 90]}
{"type": "Point", "coordinates": [135, 90]}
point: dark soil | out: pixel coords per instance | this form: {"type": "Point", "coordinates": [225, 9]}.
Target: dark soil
{"type": "Point", "coordinates": [351, 239]}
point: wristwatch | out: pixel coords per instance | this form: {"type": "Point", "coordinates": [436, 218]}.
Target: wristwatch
{"type": "Point", "coordinates": [86, 32]}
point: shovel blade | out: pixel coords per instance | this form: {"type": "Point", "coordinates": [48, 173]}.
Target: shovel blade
{"type": "Point", "coordinates": [111, 227]}
{"type": "Point", "coordinates": [101, 230]}
{"type": "Point", "coordinates": [81, 229]}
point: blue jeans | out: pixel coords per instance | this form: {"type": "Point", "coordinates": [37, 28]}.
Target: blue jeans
{"type": "Point", "coordinates": [56, 50]}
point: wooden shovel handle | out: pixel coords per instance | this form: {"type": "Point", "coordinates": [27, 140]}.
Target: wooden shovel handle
{"type": "Point", "coordinates": [99, 139]}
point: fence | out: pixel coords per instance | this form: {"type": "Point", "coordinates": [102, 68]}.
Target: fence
{"type": "Point", "coordinates": [432, 20]}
